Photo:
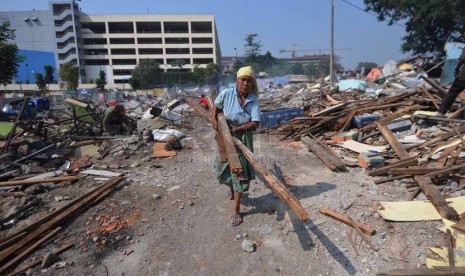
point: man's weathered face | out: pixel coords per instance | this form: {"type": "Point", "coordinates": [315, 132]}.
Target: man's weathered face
{"type": "Point", "coordinates": [244, 84]}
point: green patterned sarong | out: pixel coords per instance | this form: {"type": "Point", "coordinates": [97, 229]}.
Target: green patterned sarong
{"type": "Point", "coordinates": [223, 173]}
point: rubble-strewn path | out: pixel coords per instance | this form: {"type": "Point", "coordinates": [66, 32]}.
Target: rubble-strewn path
{"type": "Point", "coordinates": [172, 218]}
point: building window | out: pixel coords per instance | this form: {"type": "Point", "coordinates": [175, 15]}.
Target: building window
{"type": "Point", "coordinates": [150, 51]}
{"type": "Point", "coordinates": [95, 52]}
{"type": "Point", "coordinates": [177, 51]}
{"type": "Point", "coordinates": [124, 61]}
{"type": "Point", "coordinates": [95, 41]}
{"type": "Point", "coordinates": [123, 51]}
{"type": "Point", "coordinates": [176, 40]}
{"type": "Point", "coordinates": [122, 72]}
{"type": "Point", "coordinates": [156, 40]}
{"type": "Point", "coordinates": [176, 27]}
{"type": "Point", "coordinates": [203, 60]}
{"type": "Point", "coordinates": [121, 40]}
{"type": "Point", "coordinates": [176, 60]}
{"type": "Point", "coordinates": [94, 27]}
{"type": "Point", "coordinates": [148, 27]}
{"type": "Point", "coordinates": [201, 27]}
{"type": "Point", "coordinates": [202, 51]}
{"type": "Point", "coordinates": [202, 40]}
{"type": "Point", "coordinates": [96, 62]}
{"type": "Point", "coordinates": [121, 28]}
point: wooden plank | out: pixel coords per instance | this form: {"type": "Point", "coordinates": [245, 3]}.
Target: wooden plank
{"type": "Point", "coordinates": [39, 261]}
{"type": "Point", "coordinates": [401, 163]}
{"type": "Point", "coordinates": [439, 89]}
{"type": "Point", "coordinates": [436, 198]}
{"type": "Point", "coordinates": [70, 212]}
{"type": "Point", "coordinates": [441, 119]}
{"type": "Point", "coordinates": [446, 170]}
{"type": "Point", "coordinates": [160, 152]}
{"type": "Point", "coordinates": [101, 173]}
{"type": "Point", "coordinates": [412, 171]}
{"type": "Point", "coordinates": [456, 113]}
{"type": "Point", "coordinates": [366, 229]}
{"type": "Point", "coordinates": [431, 98]}
{"type": "Point", "coordinates": [455, 132]}
{"type": "Point", "coordinates": [219, 139]}
{"type": "Point", "coordinates": [28, 182]}
{"type": "Point", "coordinates": [392, 141]}
{"type": "Point", "coordinates": [29, 250]}
{"type": "Point", "coordinates": [333, 162]}
{"type": "Point", "coordinates": [231, 152]}
{"type": "Point", "coordinates": [273, 182]}
{"type": "Point", "coordinates": [424, 271]}
{"type": "Point", "coordinates": [459, 227]}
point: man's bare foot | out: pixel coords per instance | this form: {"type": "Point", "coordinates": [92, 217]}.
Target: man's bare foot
{"type": "Point", "coordinates": [236, 219]}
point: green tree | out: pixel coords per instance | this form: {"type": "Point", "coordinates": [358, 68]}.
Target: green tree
{"type": "Point", "coordinates": [298, 69]}
{"type": "Point", "coordinates": [49, 70]}
{"type": "Point", "coordinates": [429, 24]}
{"type": "Point", "coordinates": [40, 82]}
{"type": "Point", "coordinates": [252, 48]}
{"type": "Point", "coordinates": [146, 75]}
{"type": "Point", "coordinates": [9, 54]}
{"type": "Point", "coordinates": [101, 81]}
{"type": "Point", "coordinates": [69, 73]}
{"type": "Point", "coordinates": [265, 62]}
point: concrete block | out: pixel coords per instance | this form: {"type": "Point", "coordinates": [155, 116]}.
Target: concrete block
{"type": "Point", "coordinates": [150, 124]}
{"type": "Point", "coordinates": [367, 161]}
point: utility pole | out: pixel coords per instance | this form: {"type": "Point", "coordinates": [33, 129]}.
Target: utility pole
{"type": "Point", "coordinates": [331, 58]}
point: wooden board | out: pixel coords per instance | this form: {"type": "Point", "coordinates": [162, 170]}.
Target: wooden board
{"type": "Point", "coordinates": [160, 152]}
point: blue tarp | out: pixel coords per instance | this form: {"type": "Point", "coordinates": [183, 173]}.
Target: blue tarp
{"type": "Point", "coordinates": [352, 84]}
{"type": "Point", "coordinates": [283, 80]}
{"type": "Point", "coordinates": [453, 51]}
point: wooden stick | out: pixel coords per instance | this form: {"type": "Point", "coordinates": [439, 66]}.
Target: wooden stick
{"type": "Point", "coordinates": [436, 198]}
{"type": "Point", "coordinates": [456, 113]}
{"type": "Point", "coordinates": [331, 160]}
{"type": "Point", "coordinates": [446, 170]}
{"type": "Point", "coordinates": [34, 263]}
{"type": "Point", "coordinates": [58, 219]}
{"type": "Point", "coordinates": [366, 229]}
{"type": "Point", "coordinates": [412, 171]}
{"type": "Point", "coordinates": [401, 163]}
{"type": "Point", "coordinates": [37, 181]}
{"type": "Point", "coordinates": [29, 250]}
{"type": "Point", "coordinates": [395, 145]}
{"type": "Point", "coordinates": [424, 271]}
{"type": "Point", "coordinates": [431, 98]}
{"type": "Point", "coordinates": [273, 182]}
{"type": "Point", "coordinates": [391, 178]}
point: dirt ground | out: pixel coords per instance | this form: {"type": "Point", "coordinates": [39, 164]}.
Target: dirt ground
{"type": "Point", "coordinates": [173, 219]}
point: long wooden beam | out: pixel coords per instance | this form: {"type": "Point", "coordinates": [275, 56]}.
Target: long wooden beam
{"type": "Point", "coordinates": [275, 185]}
{"type": "Point", "coordinates": [192, 103]}
{"type": "Point", "coordinates": [436, 198]}
{"type": "Point", "coordinates": [12, 251]}
{"type": "Point", "coordinates": [37, 181]}
{"type": "Point", "coordinates": [348, 221]}
{"type": "Point", "coordinates": [395, 145]}
{"type": "Point", "coordinates": [423, 271]}
{"type": "Point", "coordinates": [231, 152]}
{"type": "Point", "coordinates": [330, 159]}
{"type": "Point", "coordinates": [219, 139]}
{"type": "Point", "coordinates": [412, 171]}
{"type": "Point", "coordinates": [402, 163]}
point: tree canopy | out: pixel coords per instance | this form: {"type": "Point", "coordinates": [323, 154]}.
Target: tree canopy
{"type": "Point", "coordinates": [69, 73]}
{"type": "Point", "coordinates": [146, 75]}
{"type": "Point", "coordinates": [101, 81]}
{"type": "Point", "coordinates": [429, 23]}
{"type": "Point", "coordinates": [9, 54]}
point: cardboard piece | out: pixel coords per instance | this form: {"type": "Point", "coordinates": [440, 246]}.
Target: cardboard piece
{"type": "Point", "coordinates": [160, 152]}
{"type": "Point", "coordinates": [417, 210]}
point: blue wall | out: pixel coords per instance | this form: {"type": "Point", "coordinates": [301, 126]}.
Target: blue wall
{"type": "Point", "coordinates": [35, 60]}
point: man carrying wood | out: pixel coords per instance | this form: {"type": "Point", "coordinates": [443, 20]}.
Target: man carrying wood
{"type": "Point", "coordinates": [115, 121]}
{"type": "Point", "coordinates": [242, 111]}
{"type": "Point", "coordinates": [457, 86]}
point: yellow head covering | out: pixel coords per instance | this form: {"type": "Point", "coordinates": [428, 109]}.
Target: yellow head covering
{"type": "Point", "coordinates": [248, 71]}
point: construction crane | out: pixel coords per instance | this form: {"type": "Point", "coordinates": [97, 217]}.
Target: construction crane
{"type": "Point", "coordinates": [320, 51]}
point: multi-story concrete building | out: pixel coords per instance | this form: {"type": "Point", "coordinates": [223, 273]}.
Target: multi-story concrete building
{"type": "Point", "coordinates": [112, 43]}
